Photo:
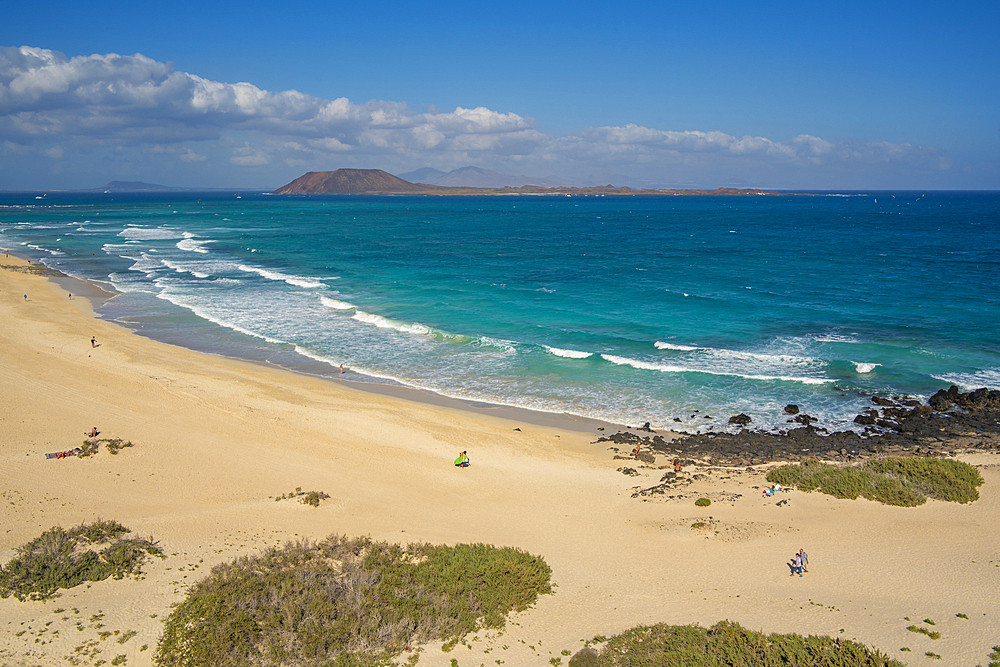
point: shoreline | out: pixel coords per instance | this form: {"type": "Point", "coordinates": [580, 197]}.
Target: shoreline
{"type": "Point", "coordinates": [98, 294]}
{"type": "Point", "coordinates": [216, 440]}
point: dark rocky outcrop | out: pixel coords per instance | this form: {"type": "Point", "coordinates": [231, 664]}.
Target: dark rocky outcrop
{"type": "Point", "coordinates": [970, 422]}
{"type": "Point", "coordinates": [791, 409]}
{"type": "Point", "coordinates": [740, 419]}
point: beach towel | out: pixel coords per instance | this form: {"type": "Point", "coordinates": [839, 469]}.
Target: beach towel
{"type": "Point", "coordinates": [61, 455]}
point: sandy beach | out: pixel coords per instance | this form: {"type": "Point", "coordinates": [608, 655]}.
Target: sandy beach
{"type": "Point", "coordinates": [217, 440]}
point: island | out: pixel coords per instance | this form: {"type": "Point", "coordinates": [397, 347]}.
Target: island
{"type": "Point", "coordinates": [378, 182]}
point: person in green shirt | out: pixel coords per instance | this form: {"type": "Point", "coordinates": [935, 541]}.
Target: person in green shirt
{"type": "Point", "coordinates": [462, 461]}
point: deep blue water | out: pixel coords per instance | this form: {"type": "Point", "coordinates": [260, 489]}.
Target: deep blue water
{"type": "Point", "coordinates": [628, 309]}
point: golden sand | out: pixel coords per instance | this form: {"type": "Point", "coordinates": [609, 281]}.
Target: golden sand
{"type": "Point", "coordinates": [216, 440]}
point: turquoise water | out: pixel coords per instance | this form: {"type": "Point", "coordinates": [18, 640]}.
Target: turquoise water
{"type": "Point", "coordinates": [627, 309]}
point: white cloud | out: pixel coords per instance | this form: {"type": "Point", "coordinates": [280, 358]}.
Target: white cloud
{"type": "Point", "coordinates": [248, 156]}
{"type": "Point", "coordinates": [60, 106]}
{"type": "Point", "coordinates": [191, 156]}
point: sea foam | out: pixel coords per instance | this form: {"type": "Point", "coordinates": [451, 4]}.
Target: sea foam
{"type": "Point", "coordinates": [569, 354]}
{"type": "Point", "coordinates": [660, 345]}
{"type": "Point", "coordinates": [865, 367]}
{"type": "Point", "coordinates": [987, 377]}
{"type": "Point", "coordinates": [150, 233]}
{"type": "Point", "coordinates": [298, 281]}
{"type": "Point", "coordinates": [336, 304]}
{"type": "Point", "coordinates": [672, 368]}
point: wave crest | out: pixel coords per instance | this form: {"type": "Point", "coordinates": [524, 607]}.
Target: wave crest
{"type": "Point", "coordinates": [297, 281]}
{"type": "Point", "coordinates": [569, 354]}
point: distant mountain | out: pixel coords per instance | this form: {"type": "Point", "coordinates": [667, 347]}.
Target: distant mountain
{"type": "Point", "coordinates": [428, 175]}
{"type": "Point", "coordinates": [476, 177]}
{"type": "Point", "coordinates": [136, 186]}
{"type": "Point", "coordinates": [349, 182]}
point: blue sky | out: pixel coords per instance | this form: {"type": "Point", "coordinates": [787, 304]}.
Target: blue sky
{"type": "Point", "coordinates": [785, 95]}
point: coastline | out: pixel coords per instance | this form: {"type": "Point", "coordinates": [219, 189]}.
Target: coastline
{"type": "Point", "coordinates": [98, 294]}
{"type": "Point", "coordinates": [217, 439]}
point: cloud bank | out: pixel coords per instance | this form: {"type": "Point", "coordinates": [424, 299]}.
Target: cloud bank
{"type": "Point", "coordinates": [131, 109]}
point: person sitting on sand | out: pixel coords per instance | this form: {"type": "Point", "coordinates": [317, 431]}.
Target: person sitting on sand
{"type": "Point", "coordinates": [462, 461]}
{"type": "Point", "coordinates": [93, 433]}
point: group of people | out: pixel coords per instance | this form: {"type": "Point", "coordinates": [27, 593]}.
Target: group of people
{"type": "Point", "coordinates": [773, 490]}
{"type": "Point", "coordinates": [800, 563]}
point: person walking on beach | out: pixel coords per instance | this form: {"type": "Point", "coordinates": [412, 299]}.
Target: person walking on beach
{"type": "Point", "coordinates": [93, 341]}
{"type": "Point", "coordinates": [805, 560]}
{"type": "Point", "coordinates": [797, 565]}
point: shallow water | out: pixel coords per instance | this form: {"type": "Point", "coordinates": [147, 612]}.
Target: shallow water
{"type": "Point", "coordinates": [626, 309]}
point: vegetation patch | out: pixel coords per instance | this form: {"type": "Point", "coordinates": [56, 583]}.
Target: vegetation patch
{"type": "Point", "coordinates": [113, 445]}
{"type": "Point", "coordinates": [60, 558]}
{"type": "Point", "coordinates": [305, 497]}
{"type": "Point", "coordinates": [904, 482]}
{"type": "Point", "coordinates": [933, 634]}
{"type": "Point", "coordinates": [703, 502]}
{"type": "Point", "coordinates": [346, 602]}
{"type": "Point", "coordinates": [726, 643]}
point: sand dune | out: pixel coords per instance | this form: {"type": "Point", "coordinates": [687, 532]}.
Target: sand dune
{"type": "Point", "coordinates": [217, 440]}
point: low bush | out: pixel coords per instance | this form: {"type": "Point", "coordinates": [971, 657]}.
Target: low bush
{"type": "Point", "coordinates": [313, 498]}
{"type": "Point", "coordinates": [942, 479]}
{"type": "Point", "coordinates": [346, 602]}
{"type": "Point", "coordinates": [903, 482]}
{"type": "Point", "coordinates": [703, 502]}
{"type": "Point", "coordinates": [60, 558]}
{"type": "Point", "coordinates": [933, 634]}
{"type": "Point", "coordinates": [113, 445]}
{"type": "Point", "coordinates": [729, 644]}
{"type": "Point", "coordinates": [305, 497]}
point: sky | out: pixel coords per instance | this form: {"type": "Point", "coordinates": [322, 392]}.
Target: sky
{"type": "Point", "coordinates": [819, 96]}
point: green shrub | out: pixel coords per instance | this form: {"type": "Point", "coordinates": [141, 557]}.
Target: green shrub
{"type": "Point", "coordinates": [942, 479]}
{"type": "Point", "coordinates": [703, 502]}
{"type": "Point", "coordinates": [728, 643]}
{"type": "Point", "coordinates": [113, 445]}
{"type": "Point", "coordinates": [903, 482]}
{"type": "Point", "coordinates": [933, 634]}
{"type": "Point", "coordinates": [60, 558]}
{"type": "Point", "coordinates": [346, 602]}
{"type": "Point", "coordinates": [313, 498]}
{"type": "Point", "coordinates": [995, 657]}
{"type": "Point", "coordinates": [585, 657]}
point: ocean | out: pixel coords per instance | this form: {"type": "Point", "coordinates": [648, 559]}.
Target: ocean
{"type": "Point", "coordinates": [677, 311]}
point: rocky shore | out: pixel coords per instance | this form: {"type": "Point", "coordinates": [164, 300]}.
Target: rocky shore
{"type": "Point", "coordinates": [950, 423]}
